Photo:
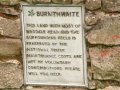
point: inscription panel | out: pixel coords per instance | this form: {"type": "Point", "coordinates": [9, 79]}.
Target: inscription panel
{"type": "Point", "coordinates": [54, 48]}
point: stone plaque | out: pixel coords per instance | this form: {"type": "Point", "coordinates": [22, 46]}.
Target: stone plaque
{"type": "Point", "coordinates": [54, 45]}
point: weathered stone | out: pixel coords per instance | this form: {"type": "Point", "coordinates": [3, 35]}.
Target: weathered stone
{"type": "Point", "coordinates": [77, 1]}
{"type": "Point", "coordinates": [89, 73]}
{"type": "Point", "coordinates": [9, 10]}
{"type": "Point", "coordinates": [62, 1]}
{"type": "Point", "coordinates": [100, 84]}
{"type": "Point", "coordinates": [102, 15]}
{"type": "Point", "coordinates": [106, 32]}
{"type": "Point", "coordinates": [93, 4]}
{"type": "Point", "coordinates": [14, 61]}
{"type": "Point", "coordinates": [111, 88]}
{"type": "Point", "coordinates": [12, 89]}
{"type": "Point", "coordinates": [10, 28]}
{"type": "Point", "coordinates": [91, 19]}
{"type": "Point", "coordinates": [38, 1]}
{"type": "Point", "coordinates": [87, 28]}
{"type": "Point", "coordinates": [11, 75]}
{"type": "Point", "coordinates": [92, 84]}
{"type": "Point", "coordinates": [108, 85]}
{"type": "Point", "coordinates": [9, 2]}
{"type": "Point", "coordinates": [105, 63]}
{"type": "Point", "coordinates": [10, 46]}
{"type": "Point", "coordinates": [111, 5]}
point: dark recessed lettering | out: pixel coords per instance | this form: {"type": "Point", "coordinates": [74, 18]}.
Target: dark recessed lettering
{"type": "Point", "coordinates": [58, 14]}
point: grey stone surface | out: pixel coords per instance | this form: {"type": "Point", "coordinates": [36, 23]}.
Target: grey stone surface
{"type": "Point", "coordinates": [62, 1]}
{"type": "Point", "coordinates": [9, 27]}
{"type": "Point", "coordinates": [77, 1]}
{"type": "Point", "coordinates": [10, 60]}
{"type": "Point", "coordinates": [93, 4]}
{"type": "Point", "coordinates": [9, 46]}
{"type": "Point", "coordinates": [91, 18]}
{"type": "Point", "coordinates": [111, 88]}
{"type": "Point", "coordinates": [11, 75]}
{"type": "Point", "coordinates": [108, 85]}
{"type": "Point", "coordinates": [92, 84]}
{"type": "Point", "coordinates": [105, 62]}
{"type": "Point", "coordinates": [9, 10]}
{"type": "Point", "coordinates": [9, 2]}
{"type": "Point", "coordinates": [111, 5]}
{"type": "Point", "coordinates": [105, 32]}
{"type": "Point", "coordinates": [38, 1]}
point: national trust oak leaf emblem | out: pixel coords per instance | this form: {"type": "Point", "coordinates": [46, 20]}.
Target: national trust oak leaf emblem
{"type": "Point", "coordinates": [31, 13]}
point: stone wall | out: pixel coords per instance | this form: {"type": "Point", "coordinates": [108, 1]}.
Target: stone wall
{"type": "Point", "coordinates": [102, 30]}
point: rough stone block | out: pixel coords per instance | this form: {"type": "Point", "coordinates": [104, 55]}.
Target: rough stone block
{"type": "Point", "coordinates": [111, 5]}
{"type": "Point", "coordinates": [38, 1]}
{"type": "Point", "coordinates": [105, 62]}
{"type": "Point", "coordinates": [93, 4]}
{"type": "Point", "coordinates": [11, 75]}
{"type": "Point", "coordinates": [106, 32]}
{"type": "Point", "coordinates": [92, 84]}
{"type": "Point", "coordinates": [10, 46]}
{"type": "Point", "coordinates": [10, 60]}
{"type": "Point", "coordinates": [91, 19]}
{"type": "Point", "coordinates": [9, 2]}
{"type": "Point", "coordinates": [77, 1]}
{"type": "Point", "coordinates": [9, 10]}
{"type": "Point", "coordinates": [9, 27]}
{"type": "Point", "coordinates": [108, 85]}
{"type": "Point", "coordinates": [62, 1]}
{"type": "Point", "coordinates": [111, 88]}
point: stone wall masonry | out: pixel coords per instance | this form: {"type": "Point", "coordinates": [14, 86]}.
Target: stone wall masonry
{"type": "Point", "coordinates": [9, 2]}
{"type": "Point", "coordinates": [62, 1]}
{"type": "Point", "coordinates": [11, 75]}
{"type": "Point", "coordinates": [102, 30]}
{"type": "Point", "coordinates": [105, 63]}
{"type": "Point", "coordinates": [10, 46]}
{"type": "Point", "coordinates": [93, 4]}
{"type": "Point", "coordinates": [39, 1]}
{"type": "Point", "coordinates": [111, 6]}
{"type": "Point", "coordinates": [106, 32]}
{"type": "Point", "coordinates": [10, 28]}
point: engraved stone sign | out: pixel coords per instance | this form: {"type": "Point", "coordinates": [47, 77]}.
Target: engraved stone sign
{"type": "Point", "coordinates": [54, 45]}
